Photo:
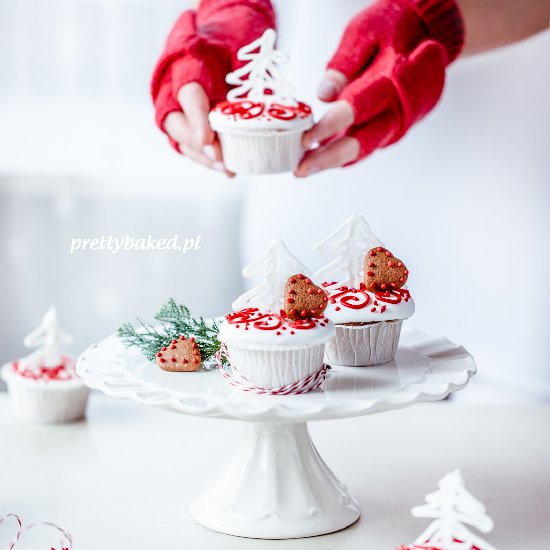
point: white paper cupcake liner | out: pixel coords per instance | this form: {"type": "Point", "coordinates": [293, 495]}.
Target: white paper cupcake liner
{"type": "Point", "coordinates": [274, 367]}
{"type": "Point", "coordinates": [41, 402]}
{"type": "Point", "coordinates": [364, 345]}
{"type": "Point", "coordinates": [261, 152]}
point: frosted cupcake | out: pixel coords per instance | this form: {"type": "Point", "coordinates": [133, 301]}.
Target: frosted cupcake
{"type": "Point", "coordinates": [43, 386]}
{"type": "Point", "coordinates": [367, 297]}
{"type": "Point", "coordinates": [260, 126]}
{"type": "Point", "coordinates": [276, 336]}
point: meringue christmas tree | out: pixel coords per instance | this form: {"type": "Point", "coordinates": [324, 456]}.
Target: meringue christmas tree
{"type": "Point", "coordinates": [47, 338]}
{"type": "Point", "coordinates": [260, 79]}
{"type": "Point", "coordinates": [453, 507]}
{"type": "Point", "coordinates": [276, 265]}
{"type": "Point", "coordinates": [350, 242]}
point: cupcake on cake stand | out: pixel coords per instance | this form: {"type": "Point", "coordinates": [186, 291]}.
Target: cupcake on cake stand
{"type": "Point", "coordinates": [276, 485]}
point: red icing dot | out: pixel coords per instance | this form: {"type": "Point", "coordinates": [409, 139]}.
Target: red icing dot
{"type": "Point", "coordinates": [383, 309]}
{"type": "Point", "coordinates": [310, 291]}
{"type": "Point", "coordinates": [370, 273]}
{"type": "Point", "coordinates": [172, 346]}
{"type": "Point", "coordinates": [290, 300]}
{"type": "Point", "coordinates": [372, 253]}
{"type": "Point", "coordinates": [383, 286]}
{"type": "Point", "coordinates": [162, 360]}
{"type": "Point", "coordinates": [184, 361]}
{"type": "Point", "coordinates": [337, 308]}
{"type": "Point", "coordinates": [406, 271]}
{"type": "Point", "coordinates": [391, 263]}
{"type": "Point", "coordinates": [182, 337]}
{"type": "Point", "coordinates": [388, 253]}
{"type": "Point", "coordinates": [163, 348]}
{"type": "Point", "coordinates": [173, 359]}
{"type": "Point", "coordinates": [373, 309]}
{"type": "Point", "coordinates": [278, 333]}
{"type": "Point", "coordinates": [399, 264]}
{"type": "Point", "coordinates": [291, 332]}
{"type": "Point", "coordinates": [159, 354]}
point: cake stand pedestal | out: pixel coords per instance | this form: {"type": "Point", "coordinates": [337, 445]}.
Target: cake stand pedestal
{"type": "Point", "coordinates": [276, 485]}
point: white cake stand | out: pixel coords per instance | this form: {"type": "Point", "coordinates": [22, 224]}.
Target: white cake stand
{"type": "Point", "coordinates": [277, 486]}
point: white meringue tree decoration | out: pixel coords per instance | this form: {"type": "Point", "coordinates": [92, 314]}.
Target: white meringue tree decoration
{"type": "Point", "coordinates": [276, 264]}
{"type": "Point", "coordinates": [350, 241]}
{"type": "Point", "coordinates": [262, 73]}
{"type": "Point", "coordinates": [47, 338]}
{"type": "Point", "coordinates": [453, 507]}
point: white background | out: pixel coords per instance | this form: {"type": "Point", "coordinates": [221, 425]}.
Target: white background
{"type": "Point", "coordinates": [463, 199]}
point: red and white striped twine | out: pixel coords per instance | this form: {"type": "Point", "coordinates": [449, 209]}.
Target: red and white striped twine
{"type": "Point", "coordinates": [66, 540]}
{"type": "Point", "coordinates": [310, 383]}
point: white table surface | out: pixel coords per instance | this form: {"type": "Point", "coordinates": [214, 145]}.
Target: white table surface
{"type": "Point", "coordinates": [124, 479]}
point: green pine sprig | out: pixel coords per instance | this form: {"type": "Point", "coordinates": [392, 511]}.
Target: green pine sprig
{"type": "Point", "coordinates": [175, 320]}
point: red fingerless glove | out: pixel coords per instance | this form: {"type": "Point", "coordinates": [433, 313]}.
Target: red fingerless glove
{"type": "Point", "coordinates": [394, 54]}
{"type": "Point", "coordinates": [202, 47]}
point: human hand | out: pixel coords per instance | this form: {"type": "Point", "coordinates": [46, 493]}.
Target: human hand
{"type": "Point", "coordinates": [387, 73]}
{"type": "Point", "coordinates": [190, 74]}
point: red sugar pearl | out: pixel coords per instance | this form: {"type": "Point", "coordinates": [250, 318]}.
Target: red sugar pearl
{"type": "Point", "coordinates": [379, 249]}
{"type": "Point", "coordinates": [391, 263]}
{"type": "Point", "coordinates": [174, 341]}
{"type": "Point", "coordinates": [383, 309]}
{"type": "Point", "coordinates": [370, 273]}
{"type": "Point", "coordinates": [290, 300]}
{"type": "Point", "coordinates": [182, 337]}
{"type": "Point", "coordinates": [303, 312]}
{"type": "Point", "coordinates": [293, 280]}
{"type": "Point", "coordinates": [388, 253]}
{"type": "Point", "coordinates": [163, 348]}
{"type": "Point", "coordinates": [337, 308]}
{"type": "Point", "coordinates": [372, 253]}
{"type": "Point", "coordinates": [173, 359]}
{"type": "Point", "coordinates": [184, 361]}
{"type": "Point", "coordinates": [159, 354]}
{"type": "Point", "coordinates": [373, 309]}
{"type": "Point", "coordinates": [383, 286]}
{"type": "Point", "coordinates": [172, 346]}
{"type": "Point", "coordinates": [300, 276]}
{"type": "Point", "coordinates": [406, 271]}
{"type": "Point", "coordinates": [310, 291]}
{"type": "Point", "coordinates": [308, 281]}
{"type": "Point", "coordinates": [399, 264]}
{"type": "Point", "coordinates": [292, 332]}
{"type": "Point", "coordinates": [162, 360]}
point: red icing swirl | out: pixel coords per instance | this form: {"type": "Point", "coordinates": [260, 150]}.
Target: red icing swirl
{"type": "Point", "coordinates": [358, 298]}
{"type": "Point", "coordinates": [59, 373]}
{"type": "Point", "coordinates": [254, 318]}
{"type": "Point", "coordinates": [246, 110]}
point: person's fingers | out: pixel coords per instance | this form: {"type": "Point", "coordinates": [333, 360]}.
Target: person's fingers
{"type": "Point", "coordinates": [332, 85]}
{"type": "Point", "coordinates": [378, 132]}
{"type": "Point", "coordinates": [196, 106]}
{"type": "Point", "coordinates": [335, 121]}
{"type": "Point", "coordinates": [201, 158]}
{"type": "Point", "coordinates": [214, 152]}
{"type": "Point", "coordinates": [338, 152]}
{"type": "Point", "coordinates": [205, 160]}
{"type": "Point", "coordinates": [178, 128]}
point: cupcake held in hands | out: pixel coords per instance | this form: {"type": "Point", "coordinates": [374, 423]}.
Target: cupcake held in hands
{"type": "Point", "coordinates": [44, 386]}
{"type": "Point", "coordinates": [367, 298]}
{"type": "Point", "coordinates": [275, 339]}
{"type": "Point", "coordinates": [260, 126]}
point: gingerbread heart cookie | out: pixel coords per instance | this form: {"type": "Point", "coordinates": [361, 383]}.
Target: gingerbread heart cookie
{"type": "Point", "coordinates": [303, 299]}
{"type": "Point", "coordinates": [383, 271]}
{"type": "Point", "coordinates": [181, 355]}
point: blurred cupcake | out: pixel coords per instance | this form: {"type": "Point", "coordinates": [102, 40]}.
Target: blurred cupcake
{"type": "Point", "coordinates": [260, 126]}
{"type": "Point", "coordinates": [367, 299]}
{"type": "Point", "coordinates": [276, 337]}
{"type": "Point", "coordinates": [43, 386]}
